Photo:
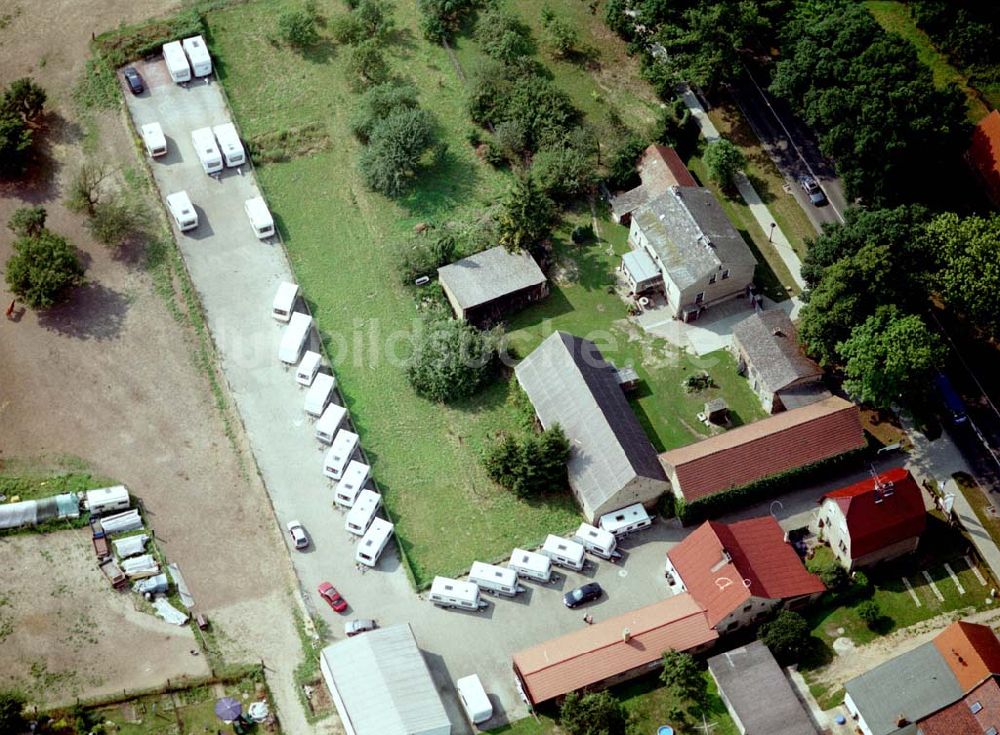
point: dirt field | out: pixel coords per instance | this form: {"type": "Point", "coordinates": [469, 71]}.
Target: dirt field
{"type": "Point", "coordinates": [58, 611]}
{"type": "Point", "coordinates": [110, 377]}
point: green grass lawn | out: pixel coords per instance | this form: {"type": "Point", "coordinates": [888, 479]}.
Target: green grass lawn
{"type": "Point", "coordinates": [895, 17]}
{"type": "Point", "coordinates": [981, 505]}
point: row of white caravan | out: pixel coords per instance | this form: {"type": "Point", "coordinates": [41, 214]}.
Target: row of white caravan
{"type": "Point", "coordinates": [185, 215]}
{"type": "Point", "coordinates": [187, 58]}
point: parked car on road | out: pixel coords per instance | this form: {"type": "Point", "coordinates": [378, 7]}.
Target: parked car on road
{"type": "Point", "coordinates": [361, 625]}
{"type": "Point", "coordinates": [329, 593]}
{"type": "Point", "coordinates": [587, 593]}
{"type": "Point", "coordinates": [133, 80]}
{"type": "Point", "coordinates": [298, 534]}
{"type": "Point", "coordinates": [812, 190]}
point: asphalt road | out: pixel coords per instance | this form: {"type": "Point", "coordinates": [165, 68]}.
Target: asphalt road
{"type": "Point", "coordinates": [792, 148]}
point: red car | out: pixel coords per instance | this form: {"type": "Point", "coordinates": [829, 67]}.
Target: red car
{"type": "Point", "coordinates": [329, 593]}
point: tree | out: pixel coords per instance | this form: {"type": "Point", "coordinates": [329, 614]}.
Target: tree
{"type": "Point", "coordinates": [375, 18]}
{"type": "Point", "coordinates": [440, 19]}
{"type": "Point", "coordinates": [526, 215]}
{"type": "Point", "coordinates": [566, 172]}
{"type": "Point", "coordinates": [560, 36]}
{"type": "Point", "coordinates": [426, 256]}
{"type": "Point", "coordinates": [724, 160]}
{"type": "Point", "coordinates": [683, 677]}
{"type": "Point", "coordinates": [969, 280]}
{"type": "Point", "coordinates": [41, 268]}
{"type": "Point", "coordinates": [27, 221]}
{"type": "Point", "coordinates": [529, 466]}
{"type": "Point", "coordinates": [451, 360]}
{"type": "Point", "coordinates": [833, 575]}
{"type": "Point", "coordinates": [395, 147]}
{"type": "Point", "coordinates": [378, 103]}
{"type": "Point", "coordinates": [15, 141]}
{"type": "Point", "coordinates": [297, 28]}
{"type": "Point", "coordinates": [870, 613]}
{"type": "Point", "coordinates": [86, 187]}
{"type": "Point", "coordinates": [25, 98]}
{"type": "Point", "coordinates": [116, 221]}
{"type": "Point", "coordinates": [596, 713]}
{"type": "Point", "coordinates": [366, 65]}
{"type": "Point", "coordinates": [787, 636]}
{"type": "Point", "coordinates": [622, 173]}
{"type": "Point", "coordinates": [502, 35]}
{"type": "Point", "coordinates": [12, 711]}
{"type": "Point", "coordinates": [891, 358]}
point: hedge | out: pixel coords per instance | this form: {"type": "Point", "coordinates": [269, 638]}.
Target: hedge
{"type": "Point", "coordinates": [127, 43]}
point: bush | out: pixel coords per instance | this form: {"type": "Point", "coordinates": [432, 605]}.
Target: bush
{"type": "Point", "coordinates": [440, 19]}
{"type": "Point", "coordinates": [375, 19]}
{"type": "Point", "coordinates": [366, 66]}
{"type": "Point", "coordinates": [723, 161]}
{"type": "Point", "coordinates": [582, 234]}
{"type": "Point", "coordinates": [501, 35]}
{"type": "Point", "coordinates": [787, 636]}
{"type": "Point", "coordinates": [116, 221]}
{"type": "Point", "coordinates": [425, 256]}
{"type": "Point", "coordinates": [85, 189]}
{"type": "Point", "coordinates": [378, 103]}
{"type": "Point", "coordinates": [560, 37]}
{"type": "Point", "coordinates": [15, 142]}
{"type": "Point", "coordinates": [11, 711]}
{"type": "Point", "coordinates": [834, 576]}
{"type": "Point", "coordinates": [565, 173]}
{"type": "Point", "coordinates": [125, 43]}
{"type": "Point", "coordinates": [27, 221]}
{"type": "Point", "coordinates": [42, 268]}
{"type": "Point", "coordinates": [596, 713]}
{"type": "Point", "coordinates": [395, 147]}
{"type": "Point", "coordinates": [298, 28]}
{"type": "Point", "coordinates": [870, 613]}
{"type": "Point", "coordinates": [529, 466]}
{"type": "Point", "coordinates": [451, 360]}
{"type": "Point", "coordinates": [25, 98]}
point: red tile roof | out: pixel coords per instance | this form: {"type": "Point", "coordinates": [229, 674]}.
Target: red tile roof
{"type": "Point", "coordinates": [971, 651]}
{"type": "Point", "coordinates": [985, 152]}
{"type": "Point", "coordinates": [599, 651]}
{"type": "Point", "coordinates": [661, 168]}
{"type": "Point", "coordinates": [759, 564]}
{"type": "Point", "coordinates": [779, 443]}
{"type": "Point", "coordinates": [873, 526]}
{"type": "Point", "coordinates": [958, 719]}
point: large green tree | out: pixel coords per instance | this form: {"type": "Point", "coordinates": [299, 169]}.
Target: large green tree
{"type": "Point", "coordinates": [596, 713]}
{"type": "Point", "coordinates": [502, 35]}
{"type": "Point", "coordinates": [12, 712]}
{"type": "Point", "coordinates": [25, 98]}
{"type": "Point", "coordinates": [683, 677]}
{"type": "Point", "coordinates": [42, 268]}
{"type": "Point", "coordinates": [395, 147]}
{"type": "Point", "coordinates": [526, 215]}
{"type": "Point", "coordinates": [969, 280]}
{"type": "Point", "coordinates": [787, 636]}
{"type": "Point", "coordinates": [531, 465]}
{"type": "Point", "coordinates": [451, 360]}
{"type": "Point", "coordinates": [15, 141]}
{"type": "Point", "coordinates": [723, 161]}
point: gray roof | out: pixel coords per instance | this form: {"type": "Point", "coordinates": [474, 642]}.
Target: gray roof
{"type": "Point", "coordinates": [913, 685]}
{"type": "Point", "coordinates": [570, 384]}
{"type": "Point", "coordinates": [383, 685]}
{"type": "Point", "coordinates": [629, 201]}
{"type": "Point", "coordinates": [802, 395]}
{"type": "Point", "coordinates": [489, 275]}
{"type": "Point", "coordinates": [768, 339]}
{"type": "Point", "coordinates": [640, 265]}
{"type": "Point", "coordinates": [757, 691]}
{"type": "Point", "coordinates": [690, 234]}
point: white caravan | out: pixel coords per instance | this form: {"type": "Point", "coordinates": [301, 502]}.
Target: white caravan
{"type": "Point", "coordinates": [563, 552]}
{"type": "Point", "coordinates": [328, 424]}
{"type": "Point", "coordinates": [182, 210]}
{"type": "Point", "coordinates": [308, 368]}
{"type": "Point", "coordinates": [154, 139]}
{"type": "Point", "coordinates": [284, 301]}
{"type": "Point", "coordinates": [105, 499]}
{"type": "Point", "coordinates": [294, 338]}
{"type": "Point", "coordinates": [447, 592]}
{"type": "Point", "coordinates": [197, 53]}
{"type": "Point", "coordinates": [531, 565]}
{"type": "Point", "coordinates": [352, 482]}
{"type": "Point", "coordinates": [597, 541]}
{"type": "Point", "coordinates": [494, 579]}
{"type": "Point", "coordinates": [319, 394]}
{"type": "Point", "coordinates": [177, 63]}
{"type": "Point", "coordinates": [625, 521]}
{"type": "Point", "coordinates": [207, 150]}
{"type": "Point", "coordinates": [363, 513]}
{"type": "Point", "coordinates": [340, 454]}
{"type": "Point", "coordinates": [260, 217]}
{"type": "Point", "coordinates": [230, 145]}
{"type": "Point", "coordinates": [475, 701]}
{"type": "Point", "coordinates": [373, 542]}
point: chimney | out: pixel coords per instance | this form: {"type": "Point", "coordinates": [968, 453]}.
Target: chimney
{"type": "Point", "coordinates": [777, 332]}
{"type": "Point", "coordinates": [626, 635]}
{"type": "Point", "coordinates": [901, 721]}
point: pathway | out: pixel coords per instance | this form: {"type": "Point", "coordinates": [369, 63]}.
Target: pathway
{"type": "Point", "coordinates": [757, 207]}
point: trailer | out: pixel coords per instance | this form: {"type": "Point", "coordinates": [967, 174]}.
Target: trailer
{"type": "Point", "coordinates": [308, 368]}
{"type": "Point", "coordinates": [363, 512]}
{"type": "Point", "coordinates": [563, 552]}
{"type": "Point", "coordinates": [197, 53]}
{"type": "Point", "coordinates": [99, 538]}
{"type": "Point", "coordinates": [260, 217]}
{"type": "Point", "coordinates": [495, 580]}
{"type": "Point", "coordinates": [340, 454]}
{"type": "Point", "coordinates": [352, 483]}
{"type": "Point", "coordinates": [530, 565]}
{"type": "Point", "coordinates": [154, 139]}
{"type": "Point", "coordinates": [284, 301]}
{"type": "Point", "coordinates": [208, 151]}
{"type": "Point", "coordinates": [113, 573]}
{"type": "Point", "coordinates": [182, 210]}
{"type": "Point", "coordinates": [475, 700]}
{"type": "Point", "coordinates": [177, 63]}
{"type": "Point", "coordinates": [328, 424]}
{"type": "Point", "coordinates": [451, 593]}
{"type": "Point", "coordinates": [627, 520]}
{"type": "Point", "coordinates": [106, 499]}
{"type": "Point", "coordinates": [597, 541]}
{"type": "Point", "coordinates": [230, 144]}
{"type": "Point", "coordinates": [373, 543]}
{"type": "Point", "coordinates": [294, 339]}
{"type": "Point", "coordinates": [319, 395]}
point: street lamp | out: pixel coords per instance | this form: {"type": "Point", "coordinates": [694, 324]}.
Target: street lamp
{"type": "Point", "coordinates": [771, 233]}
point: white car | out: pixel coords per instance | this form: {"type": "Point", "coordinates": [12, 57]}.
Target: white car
{"type": "Point", "coordinates": [298, 534]}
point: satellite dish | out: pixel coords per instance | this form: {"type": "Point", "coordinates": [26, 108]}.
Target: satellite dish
{"type": "Point", "coordinates": [772, 511]}
{"type": "Point", "coordinates": [723, 582]}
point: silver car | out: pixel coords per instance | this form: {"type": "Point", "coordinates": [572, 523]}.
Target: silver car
{"type": "Point", "coordinates": [361, 625]}
{"type": "Point", "coordinates": [812, 190]}
{"type": "Point", "coordinates": [299, 538]}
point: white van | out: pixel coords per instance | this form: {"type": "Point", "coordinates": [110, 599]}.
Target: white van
{"type": "Point", "coordinates": [294, 338]}
{"type": "Point", "coordinates": [319, 394]}
{"type": "Point", "coordinates": [260, 217]}
{"type": "Point", "coordinates": [177, 63]}
{"type": "Point", "coordinates": [475, 701]}
{"type": "Point", "coordinates": [308, 368]}
{"type": "Point", "coordinates": [328, 424]}
{"type": "Point", "coordinates": [197, 52]}
{"type": "Point", "coordinates": [447, 592]}
{"type": "Point", "coordinates": [494, 579]}
{"type": "Point", "coordinates": [373, 542]}
{"type": "Point", "coordinates": [182, 210]}
{"type": "Point", "coordinates": [340, 454]}
{"type": "Point", "coordinates": [154, 139]}
{"type": "Point", "coordinates": [230, 145]}
{"type": "Point", "coordinates": [563, 552]}
{"type": "Point", "coordinates": [207, 150]}
{"type": "Point", "coordinates": [625, 521]}
{"type": "Point", "coordinates": [363, 513]}
{"type": "Point", "coordinates": [350, 485]}
{"type": "Point", "coordinates": [597, 541]}
{"type": "Point", "coordinates": [284, 301]}
{"type": "Point", "coordinates": [107, 499]}
{"type": "Point", "coordinates": [531, 565]}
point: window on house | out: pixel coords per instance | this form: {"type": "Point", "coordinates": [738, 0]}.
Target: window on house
{"type": "Point", "coordinates": [711, 279]}
{"type": "Point", "coordinates": [843, 547]}
{"type": "Point", "coordinates": [725, 274]}
{"type": "Point", "coordinates": [975, 707]}
{"type": "Point", "coordinates": [700, 297]}
{"type": "Point", "coordinates": [991, 731]}
{"type": "Point", "coordinates": [747, 608]}
{"type": "Point", "coordinates": [733, 625]}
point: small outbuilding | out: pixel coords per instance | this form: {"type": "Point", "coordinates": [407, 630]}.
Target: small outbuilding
{"type": "Point", "coordinates": [485, 287]}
